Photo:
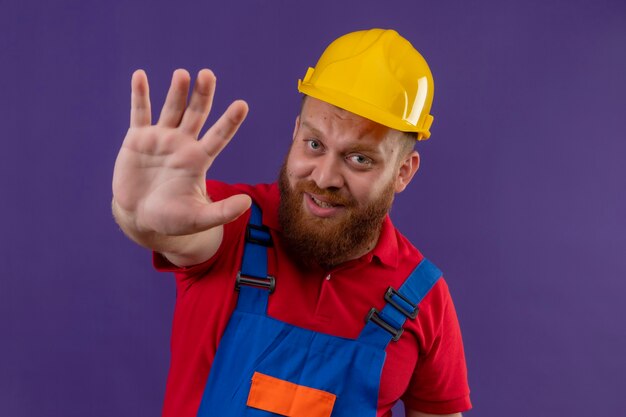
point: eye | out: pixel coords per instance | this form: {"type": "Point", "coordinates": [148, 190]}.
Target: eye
{"type": "Point", "coordinates": [314, 144]}
{"type": "Point", "coordinates": [360, 160]}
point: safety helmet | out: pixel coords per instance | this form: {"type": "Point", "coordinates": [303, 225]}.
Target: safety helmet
{"type": "Point", "coordinates": [378, 75]}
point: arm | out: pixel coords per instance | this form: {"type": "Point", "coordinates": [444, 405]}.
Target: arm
{"type": "Point", "coordinates": [159, 193]}
{"type": "Point", "coordinates": [413, 413]}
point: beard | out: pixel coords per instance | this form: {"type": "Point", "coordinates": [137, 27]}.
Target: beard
{"type": "Point", "coordinates": [329, 241]}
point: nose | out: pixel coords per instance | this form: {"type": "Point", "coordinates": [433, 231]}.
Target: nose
{"type": "Point", "coordinates": [327, 172]}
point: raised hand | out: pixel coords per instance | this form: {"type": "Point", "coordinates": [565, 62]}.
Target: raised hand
{"type": "Point", "coordinates": [159, 177]}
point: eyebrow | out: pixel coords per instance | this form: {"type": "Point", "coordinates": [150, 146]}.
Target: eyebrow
{"type": "Point", "coordinates": [313, 129]}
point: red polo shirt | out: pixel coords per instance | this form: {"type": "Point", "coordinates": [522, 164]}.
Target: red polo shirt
{"type": "Point", "coordinates": [425, 368]}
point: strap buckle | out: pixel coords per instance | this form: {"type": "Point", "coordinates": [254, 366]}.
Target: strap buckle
{"type": "Point", "coordinates": [389, 298]}
{"type": "Point", "coordinates": [259, 235]}
{"type": "Point", "coordinates": [374, 315]}
{"type": "Point", "coordinates": [268, 283]}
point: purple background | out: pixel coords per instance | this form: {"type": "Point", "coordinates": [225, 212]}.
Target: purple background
{"type": "Point", "coordinates": [520, 198]}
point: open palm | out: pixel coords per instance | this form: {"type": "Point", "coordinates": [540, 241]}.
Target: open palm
{"type": "Point", "coordinates": [159, 176]}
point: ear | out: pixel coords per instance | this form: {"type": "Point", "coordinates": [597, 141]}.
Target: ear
{"type": "Point", "coordinates": [295, 128]}
{"type": "Point", "coordinates": [407, 168]}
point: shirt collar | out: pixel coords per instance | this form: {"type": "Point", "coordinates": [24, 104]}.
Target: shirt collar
{"type": "Point", "coordinates": [386, 249]}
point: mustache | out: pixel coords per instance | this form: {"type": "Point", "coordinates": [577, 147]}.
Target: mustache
{"type": "Point", "coordinates": [332, 196]}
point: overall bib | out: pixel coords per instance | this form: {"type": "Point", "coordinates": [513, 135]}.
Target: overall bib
{"type": "Point", "coordinates": [265, 367]}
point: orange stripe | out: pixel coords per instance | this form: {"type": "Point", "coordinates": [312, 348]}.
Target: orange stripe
{"type": "Point", "coordinates": [289, 399]}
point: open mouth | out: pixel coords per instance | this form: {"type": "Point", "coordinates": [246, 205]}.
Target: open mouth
{"type": "Point", "coordinates": [320, 206]}
{"type": "Point", "coordinates": [323, 204]}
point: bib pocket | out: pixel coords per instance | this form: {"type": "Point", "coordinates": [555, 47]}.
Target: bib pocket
{"type": "Point", "coordinates": [285, 398]}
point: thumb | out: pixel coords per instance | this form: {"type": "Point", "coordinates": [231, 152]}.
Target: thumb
{"type": "Point", "coordinates": [224, 211]}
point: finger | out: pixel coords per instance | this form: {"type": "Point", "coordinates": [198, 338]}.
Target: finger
{"type": "Point", "coordinates": [140, 100]}
{"type": "Point", "coordinates": [223, 211]}
{"type": "Point", "coordinates": [200, 103]}
{"type": "Point", "coordinates": [176, 99]}
{"type": "Point", "coordinates": [218, 136]}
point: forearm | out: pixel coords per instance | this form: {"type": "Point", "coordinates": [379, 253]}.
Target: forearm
{"type": "Point", "coordinates": [181, 250]}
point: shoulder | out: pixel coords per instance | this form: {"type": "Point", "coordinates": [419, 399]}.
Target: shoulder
{"type": "Point", "coordinates": [436, 310]}
{"type": "Point", "coordinates": [410, 258]}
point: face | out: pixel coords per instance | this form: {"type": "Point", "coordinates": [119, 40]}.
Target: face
{"type": "Point", "coordinates": [338, 183]}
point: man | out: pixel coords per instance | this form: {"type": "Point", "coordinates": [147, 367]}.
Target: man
{"type": "Point", "coordinates": [307, 303]}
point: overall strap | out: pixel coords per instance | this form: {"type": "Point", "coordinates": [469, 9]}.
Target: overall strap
{"type": "Point", "coordinates": [253, 283]}
{"type": "Point", "coordinates": [386, 325]}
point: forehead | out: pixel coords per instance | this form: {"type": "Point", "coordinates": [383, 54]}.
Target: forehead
{"type": "Point", "coordinates": [332, 122]}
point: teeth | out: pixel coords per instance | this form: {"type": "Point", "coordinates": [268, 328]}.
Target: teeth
{"type": "Point", "coordinates": [322, 203]}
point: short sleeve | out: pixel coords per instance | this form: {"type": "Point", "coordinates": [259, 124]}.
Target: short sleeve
{"type": "Point", "coordinates": [439, 382]}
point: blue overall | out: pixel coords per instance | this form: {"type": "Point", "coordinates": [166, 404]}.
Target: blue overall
{"type": "Point", "coordinates": [255, 343]}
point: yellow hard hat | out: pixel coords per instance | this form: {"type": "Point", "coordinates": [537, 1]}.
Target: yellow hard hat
{"type": "Point", "coordinates": [378, 75]}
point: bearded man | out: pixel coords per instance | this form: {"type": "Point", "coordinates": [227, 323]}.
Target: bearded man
{"type": "Point", "coordinates": [305, 304]}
